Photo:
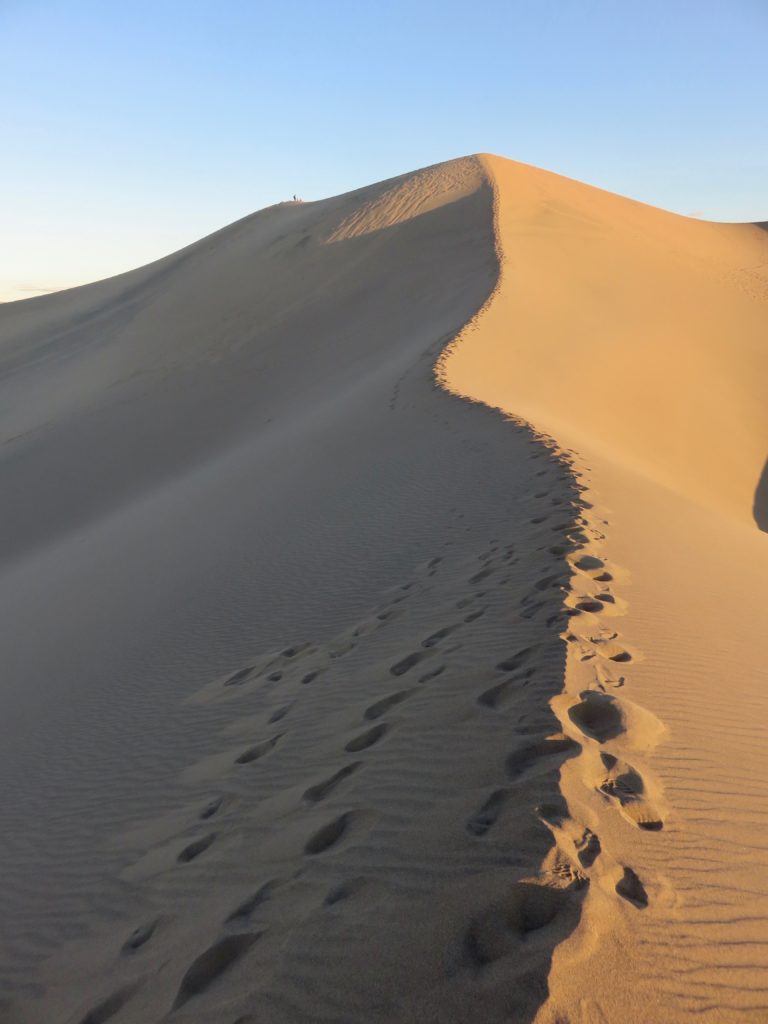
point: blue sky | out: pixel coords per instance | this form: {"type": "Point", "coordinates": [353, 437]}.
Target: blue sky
{"type": "Point", "coordinates": [131, 129]}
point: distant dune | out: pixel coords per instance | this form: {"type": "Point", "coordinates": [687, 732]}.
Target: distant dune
{"type": "Point", "coordinates": [382, 610]}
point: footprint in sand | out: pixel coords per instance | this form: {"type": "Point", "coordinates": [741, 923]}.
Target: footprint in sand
{"type": "Point", "coordinates": [588, 848]}
{"type": "Point", "coordinates": [585, 842]}
{"type": "Point", "coordinates": [475, 615]}
{"type": "Point", "coordinates": [246, 908]}
{"type": "Point", "coordinates": [340, 648]}
{"type": "Point", "coordinates": [211, 964]}
{"type": "Point", "coordinates": [212, 807]}
{"type": "Point", "coordinates": [630, 888]}
{"type": "Point", "coordinates": [589, 563]}
{"type": "Point", "coordinates": [598, 715]}
{"type": "Point", "coordinates": [488, 814]}
{"type": "Point", "coordinates": [318, 792]}
{"type": "Point", "coordinates": [380, 707]}
{"type": "Point", "coordinates": [547, 582]}
{"type": "Point", "coordinates": [193, 850]}
{"type": "Point", "coordinates": [345, 890]}
{"type": "Point", "coordinates": [590, 646]}
{"type": "Point", "coordinates": [239, 677]}
{"type": "Point", "coordinates": [258, 751]}
{"type": "Point", "coordinates": [482, 575]}
{"type": "Point", "coordinates": [551, 748]}
{"type": "Point", "coordinates": [279, 714]}
{"type": "Point", "coordinates": [500, 929]}
{"type": "Point", "coordinates": [329, 834]}
{"type": "Point", "coordinates": [366, 739]}
{"type": "Point", "coordinates": [554, 812]}
{"type": "Point", "coordinates": [433, 672]}
{"type": "Point", "coordinates": [624, 785]}
{"type": "Point", "coordinates": [515, 661]}
{"type": "Point", "coordinates": [605, 678]}
{"type": "Point", "coordinates": [441, 634]}
{"type": "Point", "coordinates": [407, 663]}
{"type": "Point", "coordinates": [110, 1006]}
{"type": "Point", "coordinates": [140, 936]}
{"type": "Point", "coordinates": [498, 695]}
{"type": "Point", "coordinates": [613, 651]}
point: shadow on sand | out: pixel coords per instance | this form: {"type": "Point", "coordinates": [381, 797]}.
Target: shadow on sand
{"type": "Point", "coordinates": [760, 504]}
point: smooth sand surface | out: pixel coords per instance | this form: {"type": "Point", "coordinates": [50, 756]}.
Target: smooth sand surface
{"type": "Point", "coordinates": [330, 695]}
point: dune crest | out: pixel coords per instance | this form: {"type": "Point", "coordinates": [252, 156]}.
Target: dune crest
{"type": "Point", "coordinates": [637, 339]}
{"type": "Point", "coordinates": [594, 289]}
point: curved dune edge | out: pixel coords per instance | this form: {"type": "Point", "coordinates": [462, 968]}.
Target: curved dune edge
{"type": "Point", "coordinates": [667, 807]}
{"type": "Point", "coordinates": [636, 332]}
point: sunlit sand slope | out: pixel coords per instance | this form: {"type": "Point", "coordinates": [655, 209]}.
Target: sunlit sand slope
{"type": "Point", "coordinates": [639, 340]}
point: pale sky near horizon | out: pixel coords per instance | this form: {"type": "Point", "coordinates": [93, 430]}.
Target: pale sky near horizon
{"type": "Point", "coordinates": [132, 129]}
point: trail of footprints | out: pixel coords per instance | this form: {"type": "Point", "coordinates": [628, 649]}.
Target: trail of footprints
{"type": "Point", "coordinates": [576, 594]}
{"type": "Point", "coordinates": [600, 719]}
{"type": "Point", "coordinates": [305, 665]}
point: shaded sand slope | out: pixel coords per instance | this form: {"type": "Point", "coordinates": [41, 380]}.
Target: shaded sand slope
{"type": "Point", "coordinates": [280, 623]}
{"type": "Point", "coordinates": [638, 338]}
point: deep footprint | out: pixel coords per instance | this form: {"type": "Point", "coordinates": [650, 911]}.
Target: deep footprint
{"type": "Point", "coordinates": [496, 695]}
{"type": "Point", "coordinates": [328, 835]}
{"type": "Point", "coordinates": [366, 739]}
{"type": "Point", "coordinates": [322, 789]}
{"type": "Point", "coordinates": [211, 808]}
{"type": "Point", "coordinates": [598, 716]}
{"type": "Point", "coordinates": [441, 634]}
{"type": "Point", "coordinates": [381, 707]}
{"type": "Point", "coordinates": [211, 964]}
{"type": "Point", "coordinates": [630, 888]}
{"type": "Point", "coordinates": [587, 848]}
{"type": "Point", "coordinates": [109, 1007]}
{"type": "Point", "coordinates": [500, 930]}
{"type": "Point", "coordinates": [239, 677]}
{"type": "Point", "coordinates": [625, 785]}
{"type": "Point", "coordinates": [407, 663]}
{"type": "Point", "coordinates": [193, 850]}
{"type": "Point", "coordinates": [276, 716]}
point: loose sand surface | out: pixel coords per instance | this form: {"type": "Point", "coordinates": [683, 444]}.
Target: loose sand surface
{"type": "Point", "coordinates": [381, 598]}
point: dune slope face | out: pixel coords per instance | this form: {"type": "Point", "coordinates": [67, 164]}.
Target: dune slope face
{"type": "Point", "coordinates": [281, 623]}
{"type": "Point", "coordinates": [638, 338]}
{"type": "Point", "coordinates": [330, 695]}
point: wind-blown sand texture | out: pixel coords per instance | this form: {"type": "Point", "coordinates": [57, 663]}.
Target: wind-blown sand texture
{"type": "Point", "coordinates": [333, 696]}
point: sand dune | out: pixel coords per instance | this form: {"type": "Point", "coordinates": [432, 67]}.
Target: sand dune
{"type": "Point", "coordinates": [333, 696]}
{"type": "Point", "coordinates": [638, 338]}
